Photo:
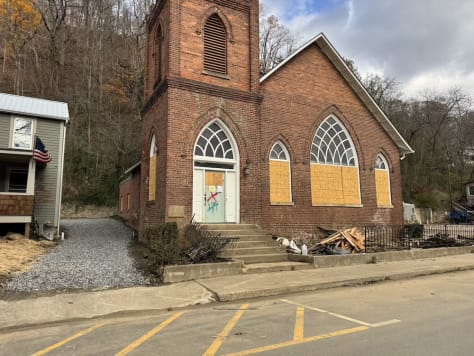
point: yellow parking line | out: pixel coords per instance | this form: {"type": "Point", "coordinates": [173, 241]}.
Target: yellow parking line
{"type": "Point", "coordinates": [299, 325]}
{"type": "Point", "coordinates": [299, 342]}
{"type": "Point", "coordinates": [212, 350]}
{"type": "Point", "coordinates": [149, 335]}
{"type": "Point", "coordinates": [69, 339]}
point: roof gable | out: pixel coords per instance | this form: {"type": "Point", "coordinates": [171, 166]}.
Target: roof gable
{"type": "Point", "coordinates": [328, 49]}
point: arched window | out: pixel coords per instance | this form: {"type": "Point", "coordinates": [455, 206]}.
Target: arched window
{"type": "Point", "coordinates": [158, 54]}
{"type": "Point", "coordinates": [214, 144]}
{"type": "Point", "coordinates": [152, 170]}
{"type": "Point", "coordinates": [334, 166]}
{"type": "Point", "coordinates": [333, 145]}
{"type": "Point", "coordinates": [382, 182]}
{"type": "Point", "coordinates": [280, 174]}
{"type": "Point", "coordinates": [215, 45]}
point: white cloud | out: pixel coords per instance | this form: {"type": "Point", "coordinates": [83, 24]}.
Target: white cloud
{"type": "Point", "coordinates": [424, 44]}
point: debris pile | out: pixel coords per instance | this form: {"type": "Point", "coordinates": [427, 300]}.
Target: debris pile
{"type": "Point", "coordinates": [341, 243]}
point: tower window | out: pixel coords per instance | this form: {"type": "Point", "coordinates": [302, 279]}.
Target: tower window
{"type": "Point", "coordinates": [215, 45]}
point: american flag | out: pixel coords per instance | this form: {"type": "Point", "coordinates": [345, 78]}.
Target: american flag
{"type": "Point", "coordinates": [40, 154]}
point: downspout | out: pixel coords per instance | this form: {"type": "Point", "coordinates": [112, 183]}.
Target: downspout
{"type": "Point", "coordinates": [62, 174]}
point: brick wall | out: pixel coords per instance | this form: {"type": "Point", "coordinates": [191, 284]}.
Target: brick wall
{"type": "Point", "coordinates": [16, 205]}
{"type": "Point", "coordinates": [297, 99]}
{"type": "Point", "coordinates": [130, 210]}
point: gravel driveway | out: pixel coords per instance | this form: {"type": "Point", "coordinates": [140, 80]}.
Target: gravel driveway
{"type": "Point", "coordinates": [94, 255]}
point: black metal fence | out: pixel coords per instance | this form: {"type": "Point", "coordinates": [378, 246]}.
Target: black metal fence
{"type": "Point", "coordinates": [406, 237]}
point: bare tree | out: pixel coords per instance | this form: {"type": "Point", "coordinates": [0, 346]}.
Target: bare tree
{"type": "Point", "coordinates": [276, 41]}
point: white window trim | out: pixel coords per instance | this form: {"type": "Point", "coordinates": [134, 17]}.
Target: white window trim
{"type": "Point", "coordinates": [230, 137]}
{"type": "Point", "coordinates": [12, 132]}
{"type": "Point", "coordinates": [282, 145]}
{"type": "Point", "coordinates": [30, 184]}
{"type": "Point", "coordinates": [349, 136]}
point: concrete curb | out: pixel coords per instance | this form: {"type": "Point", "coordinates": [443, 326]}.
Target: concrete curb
{"type": "Point", "coordinates": [311, 287]}
{"type": "Point", "coordinates": [132, 301]}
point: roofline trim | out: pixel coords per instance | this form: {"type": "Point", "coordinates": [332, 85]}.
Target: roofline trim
{"type": "Point", "coordinates": [356, 85]}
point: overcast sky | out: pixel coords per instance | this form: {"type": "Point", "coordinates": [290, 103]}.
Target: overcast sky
{"type": "Point", "coordinates": [424, 44]}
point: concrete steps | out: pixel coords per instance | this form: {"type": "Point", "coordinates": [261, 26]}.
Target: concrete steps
{"type": "Point", "coordinates": [253, 244]}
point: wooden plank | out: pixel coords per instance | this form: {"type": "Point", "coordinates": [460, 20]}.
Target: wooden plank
{"type": "Point", "coordinates": [332, 238]}
{"type": "Point", "coordinates": [350, 240]}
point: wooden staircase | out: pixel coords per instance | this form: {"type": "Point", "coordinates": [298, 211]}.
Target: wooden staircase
{"type": "Point", "coordinates": [256, 248]}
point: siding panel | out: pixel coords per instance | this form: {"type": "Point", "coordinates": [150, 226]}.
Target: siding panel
{"type": "Point", "coordinates": [5, 121]}
{"type": "Point", "coordinates": [46, 199]}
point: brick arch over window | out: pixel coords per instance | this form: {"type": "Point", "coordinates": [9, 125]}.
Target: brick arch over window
{"type": "Point", "coordinates": [382, 182]}
{"type": "Point", "coordinates": [334, 166]}
{"type": "Point", "coordinates": [333, 110]}
{"type": "Point", "coordinates": [203, 121]}
{"type": "Point", "coordinates": [216, 11]}
{"type": "Point", "coordinates": [152, 167]}
{"type": "Point", "coordinates": [215, 45]}
{"type": "Point", "coordinates": [280, 174]}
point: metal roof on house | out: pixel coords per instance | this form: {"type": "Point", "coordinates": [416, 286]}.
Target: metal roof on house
{"type": "Point", "coordinates": [328, 49]}
{"type": "Point", "coordinates": [23, 105]}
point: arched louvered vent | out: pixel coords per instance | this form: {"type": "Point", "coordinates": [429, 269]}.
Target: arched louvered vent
{"type": "Point", "coordinates": [215, 45]}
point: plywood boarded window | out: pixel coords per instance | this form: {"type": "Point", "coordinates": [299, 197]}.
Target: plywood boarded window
{"type": "Point", "coordinates": [280, 175]}
{"type": "Point", "coordinates": [382, 182]}
{"type": "Point", "coordinates": [215, 45]}
{"type": "Point", "coordinates": [152, 170]}
{"type": "Point", "coordinates": [334, 166]}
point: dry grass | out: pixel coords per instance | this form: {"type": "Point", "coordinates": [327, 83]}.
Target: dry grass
{"type": "Point", "coordinates": [19, 255]}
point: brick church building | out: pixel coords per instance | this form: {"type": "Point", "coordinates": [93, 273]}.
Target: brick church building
{"type": "Point", "coordinates": [303, 146]}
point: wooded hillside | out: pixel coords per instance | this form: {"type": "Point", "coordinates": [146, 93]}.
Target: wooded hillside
{"type": "Point", "coordinates": [89, 53]}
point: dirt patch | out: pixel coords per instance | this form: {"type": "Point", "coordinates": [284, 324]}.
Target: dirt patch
{"type": "Point", "coordinates": [19, 255]}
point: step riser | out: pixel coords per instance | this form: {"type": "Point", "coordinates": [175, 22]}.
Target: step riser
{"type": "Point", "coordinates": [238, 233]}
{"type": "Point", "coordinates": [254, 244]}
{"type": "Point", "coordinates": [252, 251]}
{"type": "Point", "coordinates": [263, 259]}
{"type": "Point", "coordinates": [252, 239]}
{"type": "Point", "coordinates": [277, 269]}
{"type": "Point", "coordinates": [229, 227]}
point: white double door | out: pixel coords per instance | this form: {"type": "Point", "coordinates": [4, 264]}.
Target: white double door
{"type": "Point", "coordinates": [215, 196]}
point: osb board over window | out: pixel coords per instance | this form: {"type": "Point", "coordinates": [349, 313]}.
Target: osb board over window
{"type": "Point", "coordinates": [335, 185]}
{"type": "Point", "coordinates": [280, 191]}
{"type": "Point", "coordinates": [382, 184]}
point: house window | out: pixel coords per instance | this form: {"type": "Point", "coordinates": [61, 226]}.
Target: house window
{"type": "Point", "coordinates": [22, 137]}
{"type": "Point", "coordinates": [152, 170]}
{"type": "Point", "coordinates": [471, 189]}
{"type": "Point", "coordinates": [334, 166]}
{"type": "Point", "coordinates": [280, 175]}
{"type": "Point", "coordinates": [215, 45]}
{"type": "Point", "coordinates": [214, 143]}
{"type": "Point", "coordinates": [128, 202]}
{"type": "Point", "coordinates": [17, 180]}
{"type": "Point", "coordinates": [121, 203]}
{"type": "Point", "coordinates": [382, 182]}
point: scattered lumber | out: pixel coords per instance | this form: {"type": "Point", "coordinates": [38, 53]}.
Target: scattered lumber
{"type": "Point", "coordinates": [341, 242]}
